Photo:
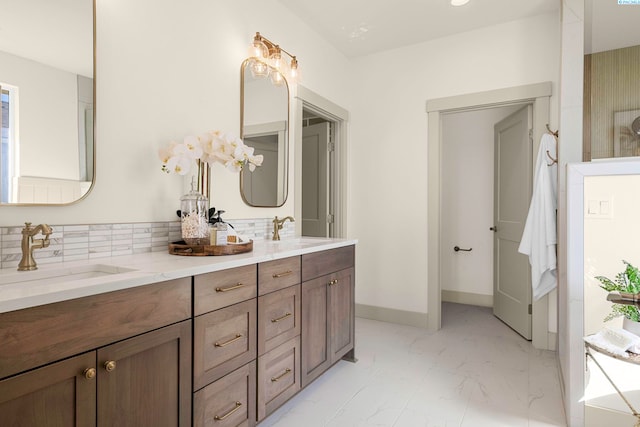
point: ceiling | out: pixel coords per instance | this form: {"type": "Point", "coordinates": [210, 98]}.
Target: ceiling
{"type": "Point", "coordinates": [361, 27]}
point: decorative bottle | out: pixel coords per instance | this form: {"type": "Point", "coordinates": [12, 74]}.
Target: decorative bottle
{"type": "Point", "coordinates": [194, 209]}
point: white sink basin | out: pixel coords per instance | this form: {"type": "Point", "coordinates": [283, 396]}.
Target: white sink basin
{"type": "Point", "coordinates": [50, 274]}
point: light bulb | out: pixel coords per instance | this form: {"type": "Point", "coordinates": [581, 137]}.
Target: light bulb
{"type": "Point", "coordinates": [294, 73]}
{"type": "Point", "coordinates": [277, 78]}
{"type": "Point", "coordinates": [259, 69]}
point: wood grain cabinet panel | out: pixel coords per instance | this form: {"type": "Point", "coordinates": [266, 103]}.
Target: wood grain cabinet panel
{"type": "Point", "coordinates": [278, 318]}
{"type": "Point", "coordinates": [220, 289]}
{"type": "Point", "coordinates": [278, 274]}
{"type": "Point", "coordinates": [59, 394]}
{"type": "Point", "coordinates": [224, 340]}
{"type": "Point", "coordinates": [328, 322]}
{"type": "Point", "coordinates": [145, 381]}
{"type": "Point", "coordinates": [34, 336]}
{"type": "Point", "coordinates": [341, 314]}
{"type": "Point", "coordinates": [278, 376]}
{"type": "Point", "coordinates": [315, 329]}
{"type": "Point", "coordinates": [320, 263]}
{"type": "Point", "coordinates": [228, 402]}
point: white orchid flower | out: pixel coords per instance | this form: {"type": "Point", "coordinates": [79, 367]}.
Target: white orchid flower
{"type": "Point", "coordinates": [193, 147]}
{"type": "Point", "coordinates": [179, 164]}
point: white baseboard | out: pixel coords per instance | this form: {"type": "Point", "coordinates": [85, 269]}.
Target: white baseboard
{"type": "Point", "coordinates": [467, 298]}
{"type": "Point", "coordinates": [383, 314]}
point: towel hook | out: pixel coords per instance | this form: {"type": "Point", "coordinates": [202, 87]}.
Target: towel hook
{"type": "Point", "coordinates": [555, 134]}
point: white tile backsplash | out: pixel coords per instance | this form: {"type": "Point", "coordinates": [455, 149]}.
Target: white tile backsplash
{"type": "Point", "coordinates": [91, 241]}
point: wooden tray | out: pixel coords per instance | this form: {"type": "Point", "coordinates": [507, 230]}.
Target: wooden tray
{"type": "Point", "coordinates": [181, 248]}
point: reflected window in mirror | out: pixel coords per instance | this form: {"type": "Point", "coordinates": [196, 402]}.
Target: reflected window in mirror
{"type": "Point", "coordinates": [265, 127]}
{"type": "Point", "coordinates": [611, 117]}
{"type": "Point", "coordinates": [47, 85]}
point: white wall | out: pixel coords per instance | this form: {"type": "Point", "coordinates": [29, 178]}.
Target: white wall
{"type": "Point", "coordinates": [168, 69]}
{"type": "Point", "coordinates": [389, 183]}
{"type": "Point", "coordinates": [608, 239]}
{"type": "Point", "coordinates": [47, 115]}
{"type": "Point", "coordinates": [467, 199]}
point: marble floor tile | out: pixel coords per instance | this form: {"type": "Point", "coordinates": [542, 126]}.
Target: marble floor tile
{"type": "Point", "coordinates": [475, 371]}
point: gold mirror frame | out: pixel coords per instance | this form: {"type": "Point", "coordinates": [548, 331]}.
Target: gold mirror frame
{"type": "Point", "coordinates": [275, 130]}
{"type": "Point", "coordinates": [91, 159]}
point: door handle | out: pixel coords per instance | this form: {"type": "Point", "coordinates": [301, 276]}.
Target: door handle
{"type": "Point", "coordinates": [494, 229]}
{"type": "Point", "coordinates": [458, 249]}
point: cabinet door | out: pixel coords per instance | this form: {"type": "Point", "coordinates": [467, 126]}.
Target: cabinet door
{"type": "Point", "coordinates": [146, 380]}
{"type": "Point", "coordinates": [341, 314]}
{"type": "Point", "coordinates": [61, 394]}
{"type": "Point", "coordinates": [316, 356]}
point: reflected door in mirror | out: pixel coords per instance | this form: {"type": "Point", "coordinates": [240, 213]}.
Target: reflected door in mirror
{"type": "Point", "coordinates": [265, 127]}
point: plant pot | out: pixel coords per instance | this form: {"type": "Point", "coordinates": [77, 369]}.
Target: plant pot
{"type": "Point", "coordinates": [631, 326]}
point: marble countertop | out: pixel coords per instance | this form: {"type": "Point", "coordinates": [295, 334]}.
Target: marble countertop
{"type": "Point", "coordinates": [69, 280]}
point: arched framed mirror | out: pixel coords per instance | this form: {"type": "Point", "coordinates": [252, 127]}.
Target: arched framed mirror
{"type": "Point", "coordinates": [264, 121]}
{"type": "Point", "coordinates": [47, 85]}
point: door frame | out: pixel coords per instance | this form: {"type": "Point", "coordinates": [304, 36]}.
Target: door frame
{"type": "Point", "coordinates": [538, 95]}
{"type": "Point", "coordinates": [309, 100]}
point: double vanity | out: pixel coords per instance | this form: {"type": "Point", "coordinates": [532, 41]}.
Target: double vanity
{"type": "Point", "coordinates": [162, 340]}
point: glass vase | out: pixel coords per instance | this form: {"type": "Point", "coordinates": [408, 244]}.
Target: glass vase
{"type": "Point", "coordinates": [194, 212]}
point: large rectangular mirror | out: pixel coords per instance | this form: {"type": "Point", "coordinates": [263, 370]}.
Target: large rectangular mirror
{"type": "Point", "coordinates": [264, 113]}
{"type": "Point", "coordinates": [47, 85]}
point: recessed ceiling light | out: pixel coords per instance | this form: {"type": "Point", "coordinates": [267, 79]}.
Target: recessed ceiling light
{"type": "Point", "coordinates": [459, 2]}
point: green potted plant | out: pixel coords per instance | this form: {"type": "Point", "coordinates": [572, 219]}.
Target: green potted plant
{"type": "Point", "coordinates": [627, 284]}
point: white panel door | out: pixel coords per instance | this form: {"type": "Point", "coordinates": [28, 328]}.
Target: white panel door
{"type": "Point", "coordinates": [512, 279]}
{"type": "Point", "coordinates": [315, 207]}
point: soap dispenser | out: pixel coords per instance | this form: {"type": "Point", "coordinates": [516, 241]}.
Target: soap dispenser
{"type": "Point", "coordinates": [194, 217]}
{"type": "Point", "coordinates": [218, 230]}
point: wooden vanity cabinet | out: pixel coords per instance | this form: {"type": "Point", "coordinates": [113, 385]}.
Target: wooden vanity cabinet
{"type": "Point", "coordinates": [225, 348]}
{"type": "Point", "coordinates": [121, 358]}
{"type": "Point", "coordinates": [68, 393]}
{"type": "Point", "coordinates": [146, 380]}
{"type": "Point", "coordinates": [279, 326]}
{"type": "Point", "coordinates": [328, 317]}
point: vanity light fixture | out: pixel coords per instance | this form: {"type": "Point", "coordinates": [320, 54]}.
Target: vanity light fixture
{"type": "Point", "coordinates": [267, 60]}
{"type": "Point", "coordinates": [459, 2]}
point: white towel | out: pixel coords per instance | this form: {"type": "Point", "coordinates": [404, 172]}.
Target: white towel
{"type": "Point", "coordinates": [539, 238]}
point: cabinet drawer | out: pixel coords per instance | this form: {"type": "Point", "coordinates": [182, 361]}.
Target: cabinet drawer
{"type": "Point", "coordinates": [278, 376]}
{"type": "Point", "coordinates": [34, 336]}
{"type": "Point", "coordinates": [228, 402]}
{"type": "Point", "coordinates": [223, 341]}
{"type": "Point", "coordinates": [278, 318]}
{"type": "Point", "coordinates": [320, 263]}
{"type": "Point", "coordinates": [212, 291]}
{"type": "Point", "coordinates": [278, 274]}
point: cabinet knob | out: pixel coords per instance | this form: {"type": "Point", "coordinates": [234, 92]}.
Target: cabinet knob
{"type": "Point", "coordinates": [110, 365]}
{"type": "Point", "coordinates": [90, 373]}
{"type": "Point", "coordinates": [333, 282]}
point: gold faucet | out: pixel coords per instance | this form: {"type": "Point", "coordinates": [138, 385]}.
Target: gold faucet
{"type": "Point", "coordinates": [29, 244]}
{"type": "Point", "coordinates": [278, 224]}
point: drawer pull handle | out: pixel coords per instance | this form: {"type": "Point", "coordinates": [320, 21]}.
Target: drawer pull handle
{"type": "Point", "coordinates": [90, 373]}
{"type": "Point", "coordinates": [281, 318]}
{"type": "Point", "coordinates": [230, 288]}
{"type": "Point", "coordinates": [333, 282]}
{"type": "Point", "coordinates": [232, 340]}
{"type": "Point", "coordinates": [110, 365]}
{"type": "Point", "coordinates": [228, 414]}
{"type": "Point", "coordinates": [279, 377]}
{"type": "Point", "coordinates": [284, 273]}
